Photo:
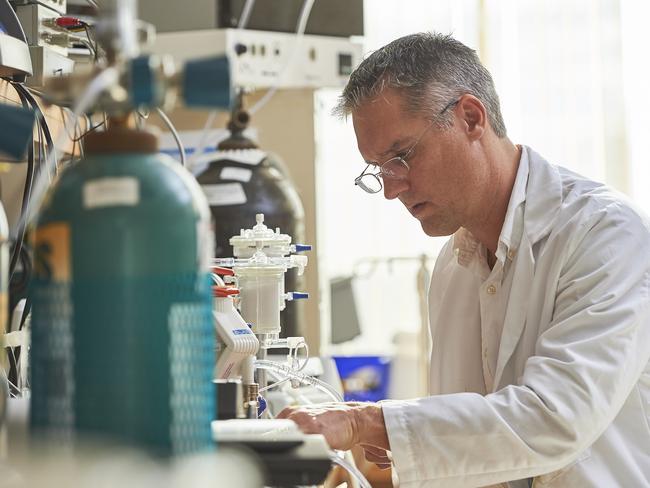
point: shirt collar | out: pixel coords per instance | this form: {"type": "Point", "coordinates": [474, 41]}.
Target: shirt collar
{"type": "Point", "coordinates": [513, 225]}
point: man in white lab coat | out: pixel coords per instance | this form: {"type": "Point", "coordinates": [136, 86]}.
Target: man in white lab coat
{"type": "Point", "coordinates": [539, 303]}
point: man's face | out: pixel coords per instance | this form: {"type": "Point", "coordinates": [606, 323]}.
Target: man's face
{"type": "Point", "coordinates": [438, 188]}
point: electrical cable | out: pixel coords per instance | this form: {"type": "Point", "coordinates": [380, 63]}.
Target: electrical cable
{"type": "Point", "coordinates": [203, 140]}
{"type": "Point", "coordinates": [42, 151]}
{"type": "Point", "coordinates": [19, 251]}
{"type": "Point", "coordinates": [95, 46]}
{"type": "Point", "coordinates": [87, 31]}
{"type": "Point", "coordinates": [11, 373]}
{"type": "Point", "coordinates": [89, 123]}
{"type": "Point", "coordinates": [40, 118]}
{"type": "Point", "coordinates": [29, 179]}
{"type": "Point", "coordinates": [245, 14]}
{"type": "Point", "coordinates": [26, 310]}
{"type": "Point", "coordinates": [73, 151]}
{"type": "Point", "coordinates": [24, 381]}
{"type": "Point", "coordinates": [300, 30]}
{"type": "Point", "coordinates": [94, 127]}
{"type": "Point", "coordinates": [11, 383]}
{"type": "Point", "coordinates": [13, 356]}
{"type": "Point", "coordinates": [19, 285]}
{"type": "Point", "coordinates": [79, 141]}
{"type": "Point", "coordinates": [172, 129]}
{"type": "Point", "coordinates": [44, 133]}
{"type": "Point", "coordinates": [88, 46]}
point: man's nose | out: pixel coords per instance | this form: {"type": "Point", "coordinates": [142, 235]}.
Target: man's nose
{"type": "Point", "coordinates": [393, 187]}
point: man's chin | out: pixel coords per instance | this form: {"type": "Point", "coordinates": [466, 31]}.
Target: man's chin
{"type": "Point", "coordinates": [437, 228]}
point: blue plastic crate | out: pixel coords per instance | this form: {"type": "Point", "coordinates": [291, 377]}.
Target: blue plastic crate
{"type": "Point", "coordinates": [364, 378]}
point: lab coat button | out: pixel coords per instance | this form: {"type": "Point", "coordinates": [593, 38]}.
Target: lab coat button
{"type": "Point", "coordinates": [491, 290]}
{"type": "Point", "coordinates": [512, 253]}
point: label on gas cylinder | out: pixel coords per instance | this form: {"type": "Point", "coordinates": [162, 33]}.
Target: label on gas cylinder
{"type": "Point", "coordinates": [111, 192]}
{"type": "Point", "coordinates": [251, 157]}
{"type": "Point", "coordinates": [224, 194]}
{"type": "Point", "coordinates": [52, 252]}
{"type": "Point", "coordinates": [238, 174]}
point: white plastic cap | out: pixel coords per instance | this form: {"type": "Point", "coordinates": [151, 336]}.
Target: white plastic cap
{"type": "Point", "coordinates": [260, 236]}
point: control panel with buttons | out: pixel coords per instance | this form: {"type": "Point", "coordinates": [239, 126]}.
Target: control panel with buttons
{"type": "Point", "coordinates": [260, 59]}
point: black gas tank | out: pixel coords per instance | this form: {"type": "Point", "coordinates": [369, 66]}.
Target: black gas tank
{"type": "Point", "coordinates": [240, 183]}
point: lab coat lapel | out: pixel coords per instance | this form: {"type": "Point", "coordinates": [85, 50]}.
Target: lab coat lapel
{"type": "Point", "coordinates": [543, 202]}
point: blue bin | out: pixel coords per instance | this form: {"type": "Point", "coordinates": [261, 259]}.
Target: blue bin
{"type": "Point", "coordinates": [364, 378]}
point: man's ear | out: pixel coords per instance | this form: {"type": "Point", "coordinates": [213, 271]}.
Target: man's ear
{"type": "Point", "coordinates": [473, 116]}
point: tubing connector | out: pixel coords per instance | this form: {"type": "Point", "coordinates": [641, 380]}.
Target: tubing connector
{"type": "Point", "coordinates": [251, 392]}
{"type": "Point", "coordinates": [300, 247]}
{"type": "Point", "coordinates": [296, 295]}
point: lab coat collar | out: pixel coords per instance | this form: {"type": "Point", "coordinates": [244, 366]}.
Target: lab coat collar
{"type": "Point", "coordinates": [543, 196]}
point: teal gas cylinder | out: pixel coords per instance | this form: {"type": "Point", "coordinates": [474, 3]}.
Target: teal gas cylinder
{"type": "Point", "coordinates": [122, 339]}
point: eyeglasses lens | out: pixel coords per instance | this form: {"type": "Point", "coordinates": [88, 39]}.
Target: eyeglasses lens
{"type": "Point", "coordinates": [369, 183]}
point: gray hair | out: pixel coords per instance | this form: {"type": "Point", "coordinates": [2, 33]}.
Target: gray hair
{"type": "Point", "coordinates": [431, 71]}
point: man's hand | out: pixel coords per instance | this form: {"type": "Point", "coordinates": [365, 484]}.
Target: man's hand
{"type": "Point", "coordinates": [343, 424]}
{"type": "Point", "coordinates": [336, 421]}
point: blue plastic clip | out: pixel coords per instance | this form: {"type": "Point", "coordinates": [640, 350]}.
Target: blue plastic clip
{"type": "Point", "coordinates": [303, 247]}
{"type": "Point", "coordinates": [143, 83]}
{"type": "Point", "coordinates": [261, 405]}
{"type": "Point", "coordinates": [298, 295]}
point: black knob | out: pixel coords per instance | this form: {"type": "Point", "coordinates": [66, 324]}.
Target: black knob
{"type": "Point", "coordinates": [240, 48]}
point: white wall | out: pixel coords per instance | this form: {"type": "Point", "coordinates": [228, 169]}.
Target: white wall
{"type": "Point", "coordinates": [636, 75]}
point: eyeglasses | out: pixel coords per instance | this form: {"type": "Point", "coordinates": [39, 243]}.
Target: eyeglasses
{"type": "Point", "coordinates": [396, 168]}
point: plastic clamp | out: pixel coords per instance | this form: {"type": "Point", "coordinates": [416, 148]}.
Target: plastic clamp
{"type": "Point", "coordinates": [298, 295]}
{"type": "Point", "coordinates": [302, 247]}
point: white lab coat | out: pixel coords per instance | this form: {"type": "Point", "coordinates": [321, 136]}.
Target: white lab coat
{"type": "Point", "coordinates": [571, 399]}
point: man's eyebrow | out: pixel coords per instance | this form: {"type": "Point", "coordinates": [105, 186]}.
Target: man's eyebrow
{"type": "Point", "coordinates": [395, 147]}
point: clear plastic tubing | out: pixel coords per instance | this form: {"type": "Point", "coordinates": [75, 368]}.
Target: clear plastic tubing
{"type": "Point", "coordinates": [350, 468]}
{"type": "Point", "coordinates": [303, 378]}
